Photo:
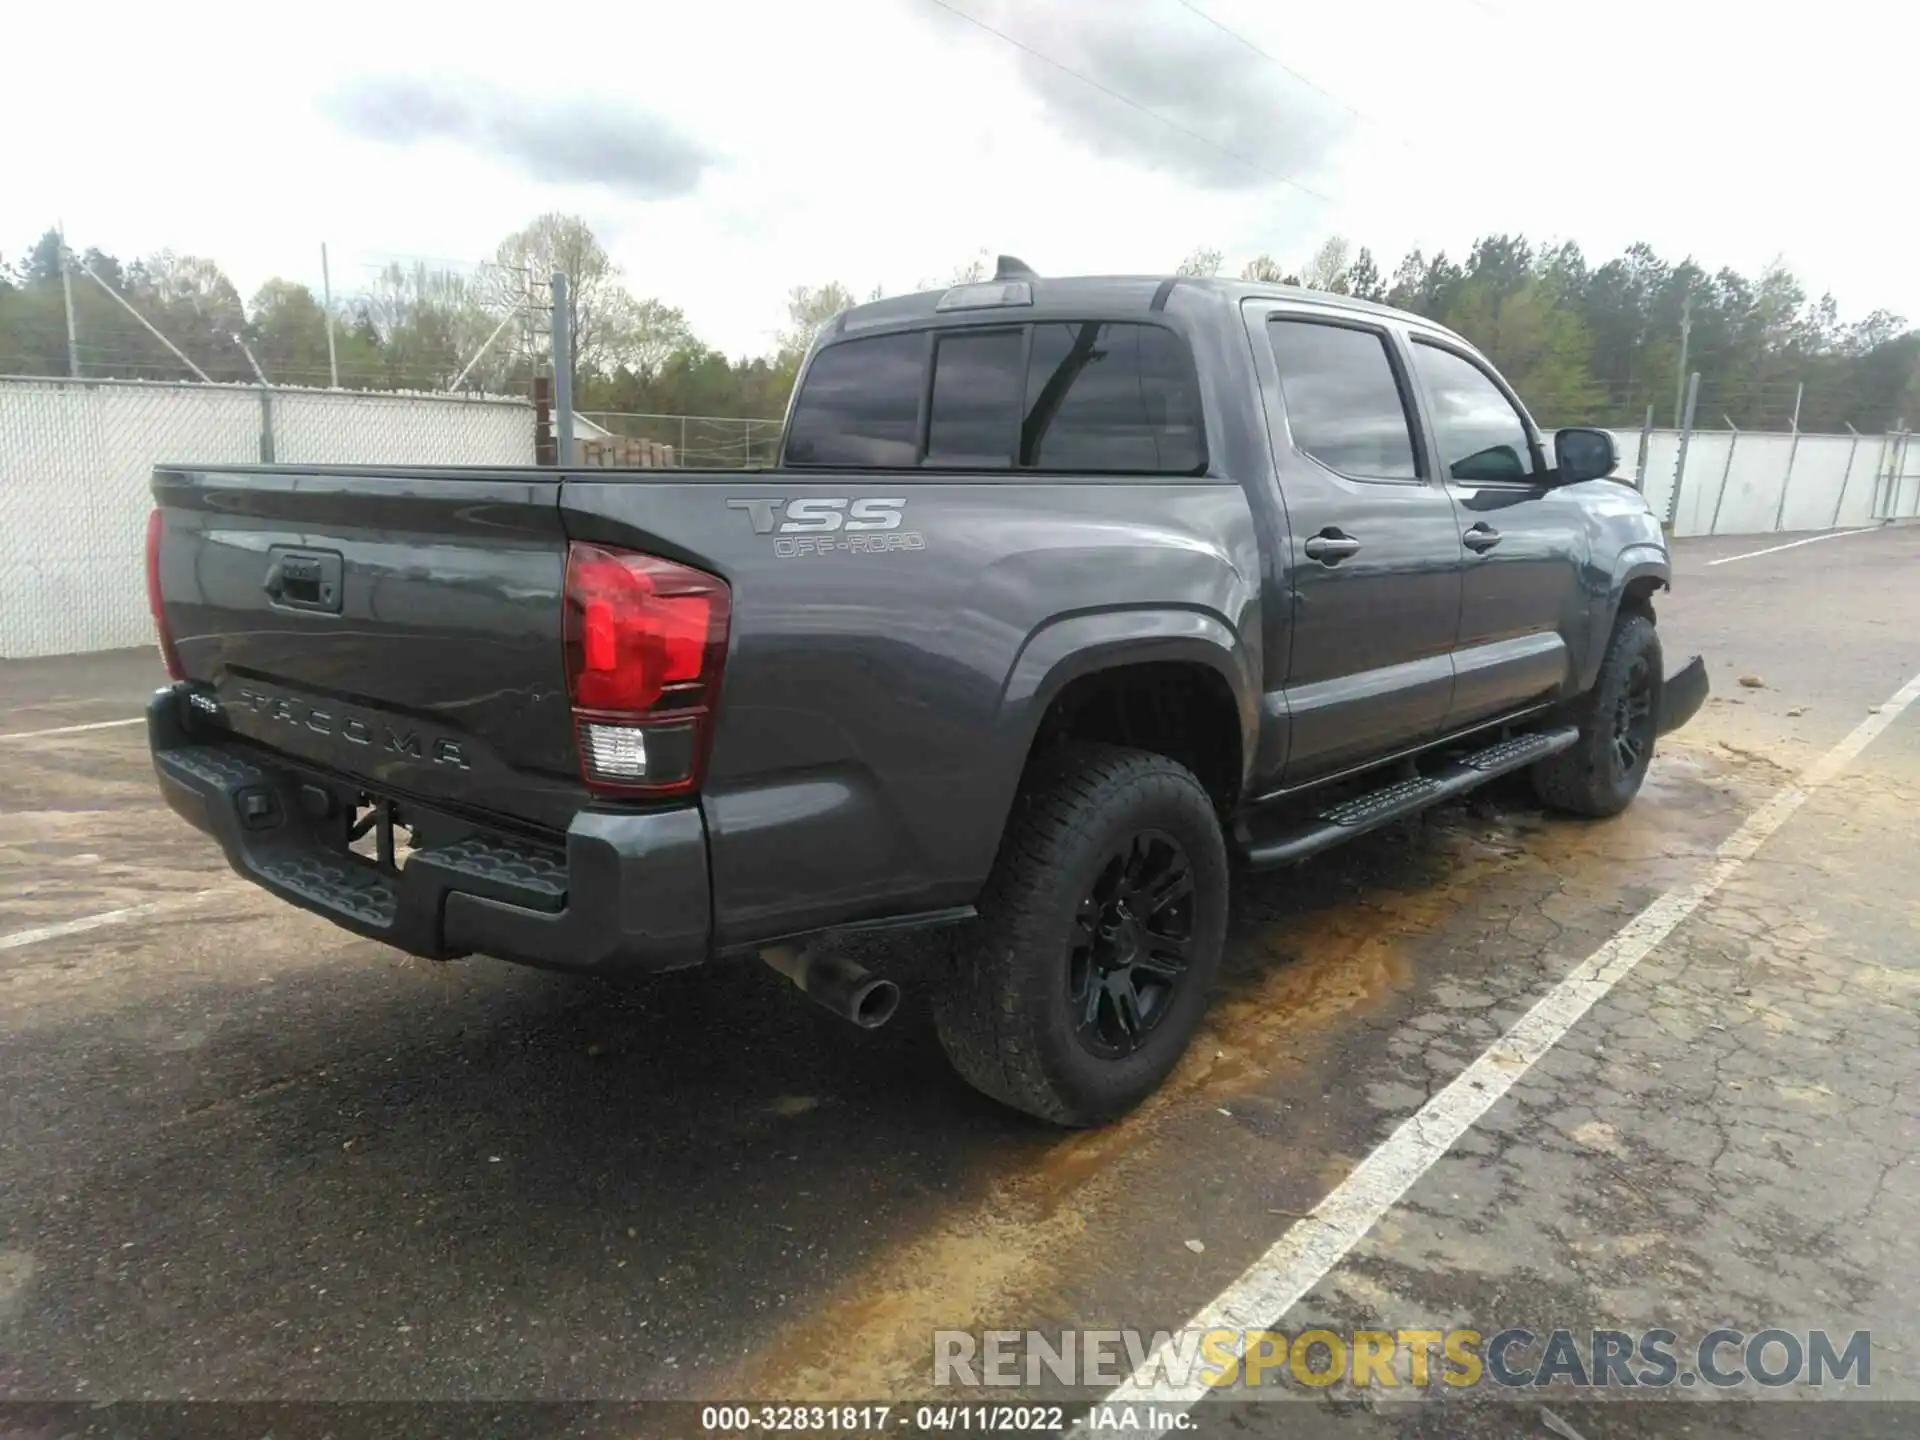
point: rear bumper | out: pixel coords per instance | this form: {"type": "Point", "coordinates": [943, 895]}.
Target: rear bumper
{"type": "Point", "coordinates": [1684, 692]}
{"type": "Point", "coordinates": [622, 892]}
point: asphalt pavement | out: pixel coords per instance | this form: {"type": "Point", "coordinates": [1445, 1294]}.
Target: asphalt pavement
{"type": "Point", "coordinates": [247, 1156]}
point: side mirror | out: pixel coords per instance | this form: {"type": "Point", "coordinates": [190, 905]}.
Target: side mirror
{"type": "Point", "coordinates": [1583, 455]}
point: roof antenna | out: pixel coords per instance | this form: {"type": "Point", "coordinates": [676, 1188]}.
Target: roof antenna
{"type": "Point", "coordinates": [1009, 267]}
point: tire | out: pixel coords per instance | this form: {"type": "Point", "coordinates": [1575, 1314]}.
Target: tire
{"type": "Point", "coordinates": [1086, 906]}
{"type": "Point", "coordinates": [1603, 770]}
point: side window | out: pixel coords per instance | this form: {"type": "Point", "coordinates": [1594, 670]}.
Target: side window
{"type": "Point", "coordinates": [860, 404]}
{"type": "Point", "coordinates": [977, 382]}
{"type": "Point", "coordinates": [1110, 397]}
{"type": "Point", "coordinates": [1344, 406]}
{"type": "Point", "coordinates": [1480, 433]}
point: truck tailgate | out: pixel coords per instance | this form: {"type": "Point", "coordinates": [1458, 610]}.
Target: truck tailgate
{"type": "Point", "coordinates": [401, 627]}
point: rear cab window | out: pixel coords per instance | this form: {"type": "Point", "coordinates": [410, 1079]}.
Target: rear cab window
{"type": "Point", "coordinates": [975, 408]}
{"type": "Point", "coordinates": [861, 405]}
{"type": "Point", "coordinates": [1103, 397]}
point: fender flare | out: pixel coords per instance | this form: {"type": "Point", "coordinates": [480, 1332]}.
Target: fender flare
{"type": "Point", "coordinates": [1647, 560]}
{"type": "Point", "coordinates": [1069, 647]}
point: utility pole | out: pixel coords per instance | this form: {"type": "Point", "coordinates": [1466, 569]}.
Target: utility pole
{"type": "Point", "coordinates": [326, 294]}
{"type": "Point", "coordinates": [1680, 381]}
{"type": "Point", "coordinates": [66, 291]}
{"type": "Point", "coordinates": [562, 371]}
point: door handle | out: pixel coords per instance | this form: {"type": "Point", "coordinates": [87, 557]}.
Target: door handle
{"type": "Point", "coordinates": [1481, 538]}
{"type": "Point", "coordinates": [1331, 546]}
{"type": "Point", "coordinates": [304, 579]}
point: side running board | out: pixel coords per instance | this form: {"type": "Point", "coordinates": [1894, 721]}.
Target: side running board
{"type": "Point", "coordinates": [1360, 813]}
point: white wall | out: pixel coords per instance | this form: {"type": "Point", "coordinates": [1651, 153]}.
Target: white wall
{"type": "Point", "coordinates": [76, 458]}
{"type": "Point", "coordinates": [1733, 484]}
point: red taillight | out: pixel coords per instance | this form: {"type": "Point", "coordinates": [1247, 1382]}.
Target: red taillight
{"type": "Point", "coordinates": [170, 657]}
{"type": "Point", "coordinates": [645, 640]}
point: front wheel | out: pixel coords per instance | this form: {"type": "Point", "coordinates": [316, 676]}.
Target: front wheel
{"type": "Point", "coordinates": [1100, 932]}
{"type": "Point", "coordinates": [1618, 718]}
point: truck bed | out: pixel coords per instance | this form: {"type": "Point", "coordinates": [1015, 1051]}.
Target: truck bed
{"type": "Point", "coordinates": [894, 638]}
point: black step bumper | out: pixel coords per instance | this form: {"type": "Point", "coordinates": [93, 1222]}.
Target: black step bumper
{"type": "Point", "coordinates": [1684, 692]}
{"type": "Point", "coordinates": [620, 892]}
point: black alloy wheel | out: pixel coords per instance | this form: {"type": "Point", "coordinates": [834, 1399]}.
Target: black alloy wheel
{"type": "Point", "coordinates": [1633, 720]}
{"type": "Point", "coordinates": [1128, 951]}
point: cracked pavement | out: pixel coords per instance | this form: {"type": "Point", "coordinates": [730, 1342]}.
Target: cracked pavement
{"type": "Point", "coordinates": [247, 1155]}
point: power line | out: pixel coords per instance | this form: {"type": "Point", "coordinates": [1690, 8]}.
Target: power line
{"type": "Point", "coordinates": [1235, 34]}
{"type": "Point", "coordinates": [1318, 89]}
{"type": "Point", "coordinates": [1132, 103]}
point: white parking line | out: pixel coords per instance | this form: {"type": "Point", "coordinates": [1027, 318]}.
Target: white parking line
{"type": "Point", "coordinates": [18, 938]}
{"type": "Point", "coordinates": [72, 729]}
{"type": "Point", "coordinates": [1302, 1258]}
{"type": "Point", "coordinates": [1776, 549]}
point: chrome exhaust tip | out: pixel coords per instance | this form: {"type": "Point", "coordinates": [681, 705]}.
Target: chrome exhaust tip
{"type": "Point", "coordinates": [835, 983]}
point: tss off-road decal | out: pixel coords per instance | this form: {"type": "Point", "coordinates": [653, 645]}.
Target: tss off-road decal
{"type": "Point", "coordinates": [832, 524]}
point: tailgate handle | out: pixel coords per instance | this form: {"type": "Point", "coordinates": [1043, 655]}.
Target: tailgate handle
{"type": "Point", "coordinates": [304, 580]}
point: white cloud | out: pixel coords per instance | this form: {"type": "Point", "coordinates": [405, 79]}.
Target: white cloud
{"type": "Point", "coordinates": [882, 141]}
{"type": "Point", "coordinates": [572, 140]}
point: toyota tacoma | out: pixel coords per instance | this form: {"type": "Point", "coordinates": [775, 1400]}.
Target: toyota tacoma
{"type": "Point", "coordinates": [1067, 598]}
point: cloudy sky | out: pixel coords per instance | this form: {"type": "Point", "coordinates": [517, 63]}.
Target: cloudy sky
{"type": "Point", "coordinates": [727, 150]}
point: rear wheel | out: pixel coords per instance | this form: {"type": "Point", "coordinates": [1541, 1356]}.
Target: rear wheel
{"type": "Point", "coordinates": [1100, 932]}
{"type": "Point", "coordinates": [1618, 718]}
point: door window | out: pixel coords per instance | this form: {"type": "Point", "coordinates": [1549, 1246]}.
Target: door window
{"type": "Point", "coordinates": [1343, 400]}
{"type": "Point", "coordinates": [1113, 398]}
{"type": "Point", "coordinates": [1481, 435]}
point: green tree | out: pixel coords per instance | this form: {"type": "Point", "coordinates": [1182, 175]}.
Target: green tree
{"type": "Point", "coordinates": [287, 329]}
{"type": "Point", "coordinates": [1424, 286]}
{"type": "Point", "coordinates": [427, 323]}
{"type": "Point", "coordinates": [1204, 260]}
{"type": "Point", "coordinates": [603, 316]}
{"type": "Point", "coordinates": [1541, 346]}
{"type": "Point", "coordinates": [977, 266]}
{"type": "Point", "coordinates": [190, 300]}
{"type": "Point", "coordinates": [658, 333]}
{"type": "Point", "coordinates": [288, 332]}
{"type": "Point", "coordinates": [1327, 270]}
{"type": "Point", "coordinates": [1582, 341]}
{"type": "Point", "coordinates": [1363, 277]}
{"type": "Point", "coordinates": [809, 308]}
{"type": "Point", "coordinates": [42, 265]}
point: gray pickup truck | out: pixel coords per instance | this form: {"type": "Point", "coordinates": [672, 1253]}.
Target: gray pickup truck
{"type": "Point", "coordinates": [1067, 597]}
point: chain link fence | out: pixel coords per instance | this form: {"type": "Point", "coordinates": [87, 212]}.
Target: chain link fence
{"type": "Point", "coordinates": [1896, 495]}
{"type": "Point", "coordinates": [76, 459]}
{"type": "Point", "coordinates": [693, 442]}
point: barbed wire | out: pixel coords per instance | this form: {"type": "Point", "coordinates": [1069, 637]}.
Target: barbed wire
{"type": "Point", "coordinates": [1622, 405]}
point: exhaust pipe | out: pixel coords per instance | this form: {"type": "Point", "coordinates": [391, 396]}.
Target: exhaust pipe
{"type": "Point", "coordinates": [835, 983]}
